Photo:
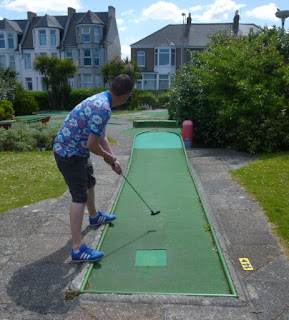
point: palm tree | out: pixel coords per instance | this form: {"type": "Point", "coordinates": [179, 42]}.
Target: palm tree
{"type": "Point", "coordinates": [56, 73]}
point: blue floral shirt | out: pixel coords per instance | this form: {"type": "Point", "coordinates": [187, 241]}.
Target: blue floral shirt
{"type": "Point", "coordinates": [90, 116]}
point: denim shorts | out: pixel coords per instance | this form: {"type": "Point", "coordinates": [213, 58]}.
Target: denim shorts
{"type": "Point", "coordinates": [78, 175]}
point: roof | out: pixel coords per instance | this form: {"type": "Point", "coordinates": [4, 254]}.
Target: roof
{"type": "Point", "coordinates": [194, 35]}
{"type": "Point", "coordinates": [48, 22]}
{"type": "Point", "coordinates": [90, 18]}
{"type": "Point", "coordinates": [60, 22]}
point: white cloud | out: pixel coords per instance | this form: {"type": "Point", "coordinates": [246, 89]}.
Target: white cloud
{"type": "Point", "coordinates": [120, 21]}
{"type": "Point", "coordinates": [125, 51]}
{"type": "Point", "coordinates": [127, 13]}
{"type": "Point", "coordinates": [39, 6]}
{"type": "Point", "coordinates": [266, 12]}
{"type": "Point", "coordinates": [163, 11]}
{"type": "Point", "coordinates": [122, 28]}
{"type": "Point", "coordinates": [219, 11]}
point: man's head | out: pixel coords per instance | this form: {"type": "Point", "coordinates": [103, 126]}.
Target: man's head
{"type": "Point", "coordinates": [121, 88]}
{"type": "Point", "coordinates": [122, 84]}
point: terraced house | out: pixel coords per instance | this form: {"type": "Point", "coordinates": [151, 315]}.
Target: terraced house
{"type": "Point", "coordinates": [163, 52]}
{"type": "Point", "coordinates": [90, 39]}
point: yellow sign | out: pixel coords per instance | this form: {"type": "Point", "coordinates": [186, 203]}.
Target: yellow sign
{"type": "Point", "coordinates": [246, 264]}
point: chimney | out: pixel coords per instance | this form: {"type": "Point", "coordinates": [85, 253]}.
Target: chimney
{"type": "Point", "coordinates": [236, 23]}
{"type": "Point", "coordinates": [31, 15]}
{"type": "Point", "coordinates": [71, 11]}
{"type": "Point", "coordinates": [111, 12]}
{"type": "Point", "coordinates": [189, 20]}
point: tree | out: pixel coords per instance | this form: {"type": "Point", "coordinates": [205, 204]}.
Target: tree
{"type": "Point", "coordinates": [56, 73]}
{"type": "Point", "coordinates": [8, 84]}
{"type": "Point", "coordinates": [118, 66]}
{"type": "Point", "coordinates": [237, 92]}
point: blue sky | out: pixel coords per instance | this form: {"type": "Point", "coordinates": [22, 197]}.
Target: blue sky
{"type": "Point", "coordinates": [137, 19]}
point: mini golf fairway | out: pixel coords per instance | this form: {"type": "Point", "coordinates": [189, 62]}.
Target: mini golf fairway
{"type": "Point", "coordinates": [173, 252]}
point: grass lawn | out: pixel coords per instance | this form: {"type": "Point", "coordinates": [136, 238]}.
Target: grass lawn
{"type": "Point", "coordinates": [267, 180]}
{"type": "Point", "coordinates": [28, 177]}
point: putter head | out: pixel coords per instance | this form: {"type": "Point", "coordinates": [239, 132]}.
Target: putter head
{"type": "Point", "coordinates": [155, 212]}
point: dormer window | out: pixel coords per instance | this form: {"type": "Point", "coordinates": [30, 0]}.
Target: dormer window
{"type": "Point", "coordinates": [85, 34]}
{"type": "Point", "coordinates": [42, 37]}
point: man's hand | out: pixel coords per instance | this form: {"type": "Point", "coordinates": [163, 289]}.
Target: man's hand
{"type": "Point", "coordinates": [116, 167]}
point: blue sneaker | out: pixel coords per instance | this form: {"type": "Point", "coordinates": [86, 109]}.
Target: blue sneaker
{"type": "Point", "coordinates": [101, 218]}
{"type": "Point", "coordinates": [85, 254]}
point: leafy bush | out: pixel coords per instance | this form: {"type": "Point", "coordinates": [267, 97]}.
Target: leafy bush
{"type": "Point", "coordinates": [6, 110]}
{"type": "Point", "coordinates": [41, 97]}
{"type": "Point", "coordinates": [163, 99]}
{"type": "Point", "coordinates": [24, 103]}
{"type": "Point", "coordinates": [148, 98]}
{"type": "Point", "coordinates": [237, 93]}
{"type": "Point", "coordinates": [28, 137]}
{"type": "Point", "coordinates": [78, 95]}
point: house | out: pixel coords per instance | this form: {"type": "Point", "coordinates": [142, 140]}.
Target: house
{"type": "Point", "coordinates": [162, 53]}
{"type": "Point", "coordinates": [89, 38]}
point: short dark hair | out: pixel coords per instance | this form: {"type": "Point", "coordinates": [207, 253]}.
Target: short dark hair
{"type": "Point", "coordinates": [122, 84]}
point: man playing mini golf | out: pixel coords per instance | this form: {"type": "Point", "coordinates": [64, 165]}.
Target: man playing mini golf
{"type": "Point", "coordinates": [82, 132]}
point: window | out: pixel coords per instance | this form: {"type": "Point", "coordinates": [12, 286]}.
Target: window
{"type": "Point", "coordinates": [44, 86]}
{"type": "Point", "coordinates": [87, 81]}
{"type": "Point", "coordinates": [69, 54]}
{"type": "Point", "coordinates": [3, 61]}
{"type": "Point", "coordinates": [53, 37]}
{"type": "Point", "coordinates": [85, 34]}
{"type": "Point", "coordinates": [10, 41]}
{"type": "Point", "coordinates": [42, 37]}
{"type": "Point", "coordinates": [86, 57]}
{"type": "Point", "coordinates": [71, 82]}
{"type": "Point", "coordinates": [173, 57]}
{"type": "Point", "coordinates": [27, 61]}
{"type": "Point", "coordinates": [96, 57]}
{"type": "Point", "coordinates": [163, 81]}
{"type": "Point", "coordinates": [54, 54]}
{"type": "Point", "coordinates": [43, 54]}
{"type": "Point", "coordinates": [28, 82]}
{"type": "Point", "coordinates": [2, 40]}
{"type": "Point", "coordinates": [98, 80]}
{"type": "Point", "coordinates": [149, 81]}
{"type": "Point", "coordinates": [96, 35]}
{"type": "Point", "coordinates": [165, 57]}
{"type": "Point", "coordinates": [12, 62]}
{"type": "Point", "coordinates": [141, 58]}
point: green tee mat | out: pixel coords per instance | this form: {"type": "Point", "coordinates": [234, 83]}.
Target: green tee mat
{"type": "Point", "coordinates": [173, 252]}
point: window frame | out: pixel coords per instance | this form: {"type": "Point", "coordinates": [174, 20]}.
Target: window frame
{"type": "Point", "coordinates": [86, 58]}
{"type": "Point", "coordinates": [141, 55]}
{"type": "Point", "coordinates": [85, 34]}
{"type": "Point", "coordinates": [42, 36]}
{"type": "Point", "coordinates": [10, 36]}
{"type": "Point", "coordinates": [2, 40]}
{"type": "Point", "coordinates": [53, 38]}
{"type": "Point", "coordinates": [27, 61]}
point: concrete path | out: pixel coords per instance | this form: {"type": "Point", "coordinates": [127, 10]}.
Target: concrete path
{"type": "Point", "coordinates": [38, 281]}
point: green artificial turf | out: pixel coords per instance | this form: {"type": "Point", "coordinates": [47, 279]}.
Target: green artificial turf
{"type": "Point", "coordinates": [169, 253]}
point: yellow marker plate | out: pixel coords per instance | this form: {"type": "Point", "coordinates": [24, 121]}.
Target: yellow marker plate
{"type": "Point", "coordinates": [246, 264]}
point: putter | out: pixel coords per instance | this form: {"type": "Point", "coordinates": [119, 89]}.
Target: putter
{"type": "Point", "coordinates": [153, 213]}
